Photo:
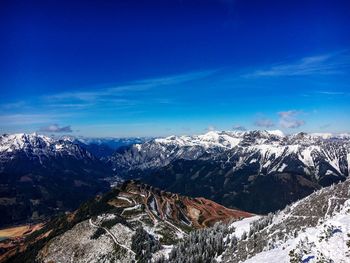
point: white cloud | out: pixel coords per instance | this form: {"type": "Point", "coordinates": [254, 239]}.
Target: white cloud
{"type": "Point", "coordinates": [324, 92]}
{"type": "Point", "coordinates": [56, 128]}
{"type": "Point", "coordinates": [239, 128]}
{"type": "Point", "coordinates": [211, 128]}
{"type": "Point", "coordinates": [325, 126]}
{"type": "Point", "coordinates": [13, 105]}
{"type": "Point", "coordinates": [25, 119]}
{"type": "Point", "coordinates": [264, 122]}
{"type": "Point", "coordinates": [116, 92]}
{"type": "Point", "coordinates": [288, 119]}
{"type": "Point", "coordinates": [332, 63]}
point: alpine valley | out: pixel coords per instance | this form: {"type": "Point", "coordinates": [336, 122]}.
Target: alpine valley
{"type": "Point", "coordinates": [275, 198]}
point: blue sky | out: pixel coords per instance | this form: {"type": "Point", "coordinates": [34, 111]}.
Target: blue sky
{"type": "Point", "coordinates": [154, 68]}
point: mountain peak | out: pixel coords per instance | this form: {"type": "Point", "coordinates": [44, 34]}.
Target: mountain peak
{"type": "Point", "coordinates": [276, 132]}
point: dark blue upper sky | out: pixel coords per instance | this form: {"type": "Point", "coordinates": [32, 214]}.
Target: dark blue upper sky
{"type": "Point", "coordinates": [121, 68]}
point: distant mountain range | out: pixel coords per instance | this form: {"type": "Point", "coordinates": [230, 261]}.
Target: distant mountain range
{"type": "Point", "coordinates": [41, 176]}
{"type": "Point", "coordinates": [103, 147]}
{"type": "Point", "coordinates": [272, 145]}
{"type": "Point", "coordinates": [257, 171]}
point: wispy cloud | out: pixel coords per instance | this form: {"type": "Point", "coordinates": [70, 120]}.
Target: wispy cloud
{"type": "Point", "coordinates": [94, 95]}
{"type": "Point", "coordinates": [108, 101]}
{"type": "Point", "coordinates": [55, 128]}
{"type": "Point", "coordinates": [176, 79]}
{"type": "Point", "coordinates": [325, 126]}
{"type": "Point", "coordinates": [25, 119]}
{"type": "Point", "coordinates": [264, 122]}
{"type": "Point", "coordinates": [115, 92]}
{"type": "Point", "coordinates": [210, 128]}
{"type": "Point", "coordinates": [289, 120]}
{"type": "Point", "coordinates": [13, 105]}
{"type": "Point", "coordinates": [238, 128]}
{"type": "Point", "coordinates": [324, 92]}
{"type": "Point", "coordinates": [332, 63]}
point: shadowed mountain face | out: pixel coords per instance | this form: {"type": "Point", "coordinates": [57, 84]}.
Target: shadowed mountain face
{"type": "Point", "coordinates": [109, 226]}
{"type": "Point", "coordinates": [257, 193]}
{"type": "Point", "coordinates": [257, 171]}
{"type": "Point", "coordinates": [40, 176]}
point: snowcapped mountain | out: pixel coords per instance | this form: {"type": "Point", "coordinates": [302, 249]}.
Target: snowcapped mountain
{"type": "Point", "coordinates": [162, 151]}
{"type": "Point", "coordinates": [271, 146]}
{"type": "Point", "coordinates": [251, 170]}
{"type": "Point", "coordinates": [36, 147]}
{"type": "Point", "coordinates": [40, 176]}
{"type": "Point", "coordinates": [131, 222]}
{"type": "Point", "coordinates": [256, 171]}
{"type": "Point", "coordinates": [40, 147]}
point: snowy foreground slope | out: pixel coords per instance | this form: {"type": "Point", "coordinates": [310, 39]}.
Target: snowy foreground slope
{"type": "Point", "coordinates": [314, 229]}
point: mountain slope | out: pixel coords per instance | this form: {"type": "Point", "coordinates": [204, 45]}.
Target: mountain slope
{"type": "Point", "coordinates": [314, 229]}
{"type": "Point", "coordinates": [117, 226]}
{"type": "Point", "coordinates": [257, 171]}
{"type": "Point", "coordinates": [41, 176]}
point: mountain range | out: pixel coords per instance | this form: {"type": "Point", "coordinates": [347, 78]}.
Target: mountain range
{"type": "Point", "coordinates": [103, 147]}
{"type": "Point", "coordinates": [257, 171]}
{"type": "Point", "coordinates": [276, 198]}
{"type": "Point", "coordinates": [41, 176]}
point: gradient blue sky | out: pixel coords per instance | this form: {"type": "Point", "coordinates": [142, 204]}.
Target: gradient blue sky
{"type": "Point", "coordinates": [154, 68]}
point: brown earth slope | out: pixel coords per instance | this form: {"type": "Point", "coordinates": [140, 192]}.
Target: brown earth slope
{"type": "Point", "coordinates": [197, 212]}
